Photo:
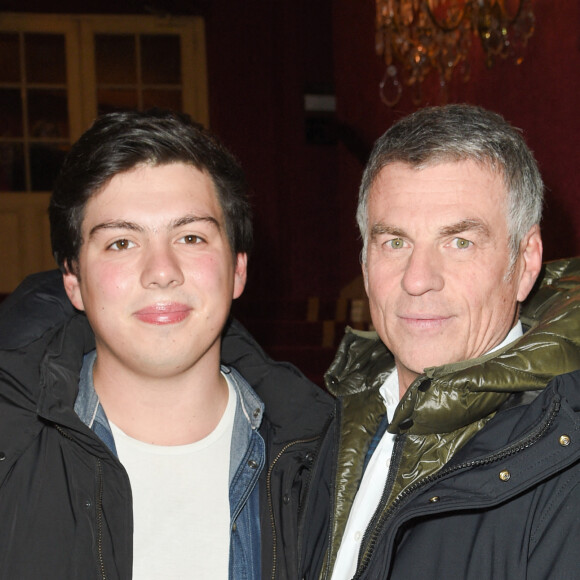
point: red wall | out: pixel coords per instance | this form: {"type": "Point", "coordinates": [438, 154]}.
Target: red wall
{"type": "Point", "coordinates": [541, 96]}
{"type": "Point", "coordinates": [263, 56]}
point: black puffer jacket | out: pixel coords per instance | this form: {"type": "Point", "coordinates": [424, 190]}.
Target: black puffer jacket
{"type": "Point", "coordinates": [65, 501]}
{"type": "Point", "coordinates": [484, 479]}
{"type": "Point", "coordinates": [506, 507]}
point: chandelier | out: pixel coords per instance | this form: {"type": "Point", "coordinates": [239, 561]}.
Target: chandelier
{"type": "Point", "coordinates": [416, 37]}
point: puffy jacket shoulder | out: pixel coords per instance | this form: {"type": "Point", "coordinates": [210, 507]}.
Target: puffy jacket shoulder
{"type": "Point", "coordinates": [39, 304]}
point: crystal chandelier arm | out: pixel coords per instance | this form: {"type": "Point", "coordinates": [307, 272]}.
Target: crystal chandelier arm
{"type": "Point", "coordinates": [415, 37]}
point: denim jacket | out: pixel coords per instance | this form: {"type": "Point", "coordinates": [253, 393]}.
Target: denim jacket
{"type": "Point", "coordinates": [247, 459]}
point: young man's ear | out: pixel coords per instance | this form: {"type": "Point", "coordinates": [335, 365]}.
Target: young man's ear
{"type": "Point", "coordinates": [240, 274]}
{"type": "Point", "coordinates": [531, 257]}
{"type": "Point", "coordinates": [72, 286]}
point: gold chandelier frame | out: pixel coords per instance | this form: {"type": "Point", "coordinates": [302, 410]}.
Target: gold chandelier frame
{"type": "Point", "coordinates": [417, 37]}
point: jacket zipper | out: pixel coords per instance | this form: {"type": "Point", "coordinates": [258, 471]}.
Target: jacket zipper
{"type": "Point", "coordinates": [270, 502]}
{"type": "Point", "coordinates": [395, 460]}
{"type": "Point", "coordinates": [99, 507]}
{"type": "Point", "coordinates": [313, 474]}
{"type": "Point", "coordinates": [516, 447]}
{"type": "Point", "coordinates": [393, 469]}
{"type": "Point", "coordinates": [326, 560]}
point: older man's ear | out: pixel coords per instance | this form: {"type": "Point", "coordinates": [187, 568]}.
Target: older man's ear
{"type": "Point", "coordinates": [531, 250]}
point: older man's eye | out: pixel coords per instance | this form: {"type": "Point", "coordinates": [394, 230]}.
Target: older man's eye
{"type": "Point", "coordinates": [461, 243]}
{"type": "Point", "coordinates": [396, 244]}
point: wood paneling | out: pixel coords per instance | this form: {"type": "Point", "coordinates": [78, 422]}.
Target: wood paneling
{"type": "Point", "coordinates": [24, 237]}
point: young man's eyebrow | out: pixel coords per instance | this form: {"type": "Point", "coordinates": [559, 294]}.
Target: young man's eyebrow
{"type": "Point", "coordinates": [116, 225]}
{"type": "Point", "coordinates": [132, 226]}
{"type": "Point", "coordinates": [466, 225]}
{"type": "Point", "coordinates": [189, 219]}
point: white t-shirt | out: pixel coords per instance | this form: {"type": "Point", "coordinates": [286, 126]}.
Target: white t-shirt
{"type": "Point", "coordinates": [374, 479]}
{"type": "Point", "coordinates": [181, 507]}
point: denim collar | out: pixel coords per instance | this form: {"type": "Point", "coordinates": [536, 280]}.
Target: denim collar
{"type": "Point", "coordinates": [248, 417]}
{"type": "Point", "coordinates": [87, 405]}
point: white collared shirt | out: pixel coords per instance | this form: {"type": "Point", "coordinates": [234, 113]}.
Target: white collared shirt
{"type": "Point", "coordinates": [375, 476]}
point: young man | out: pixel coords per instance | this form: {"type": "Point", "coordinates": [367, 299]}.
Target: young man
{"type": "Point", "coordinates": [458, 453]}
{"type": "Point", "coordinates": [127, 449]}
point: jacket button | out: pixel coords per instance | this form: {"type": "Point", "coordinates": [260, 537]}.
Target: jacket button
{"type": "Point", "coordinates": [309, 457]}
{"type": "Point", "coordinates": [434, 499]}
{"type": "Point", "coordinates": [253, 464]}
{"type": "Point", "coordinates": [333, 380]}
{"type": "Point", "coordinates": [406, 423]}
{"type": "Point", "coordinates": [2, 456]}
{"type": "Point", "coordinates": [505, 475]}
{"type": "Point", "coordinates": [256, 413]}
{"type": "Point", "coordinates": [564, 440]}
{"type": "Point", "coordinates": [286, 499]}
{"type": "Point", "coordinates": [234, 527]}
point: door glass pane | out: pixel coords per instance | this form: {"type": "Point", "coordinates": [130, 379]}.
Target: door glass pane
{"type": "Point", "coordinates": [160, 59]}
{"type": "Point", "coordinates": [164, 99]}
{"type": "Point", "coordinates": [12, 168]}
{"type": "Point", "coordinates": [116, 99]}
{"type": "Point", "coordinates": [45, 58]}
{"type": "Point", "coordinates": [48, 114]}
{"type": "Point", "coordinates": [115, 58]}
{"type": "Point", "coordinates": [34, 123]}
{"type": "Point", "coordinates": [9, 58]}
{"type": "Point", "coordinates": [10, 113]}
{"type": "Point", "coordinates": [138, 71]}
{"type": "Point", "coordinates": [45, 162]}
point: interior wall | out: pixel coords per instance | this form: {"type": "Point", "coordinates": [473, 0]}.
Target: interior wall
{"type": "Point", "coordinates": [540, 96]}
{"type": "Point", "coordinates": [263, 58]}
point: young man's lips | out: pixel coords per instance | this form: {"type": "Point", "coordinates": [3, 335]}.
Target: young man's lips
{"type": "Point", "coordinates": [163, 313]}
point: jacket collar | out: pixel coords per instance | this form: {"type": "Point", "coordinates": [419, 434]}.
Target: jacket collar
{"type": "Point", "coordinates": [451, 396]}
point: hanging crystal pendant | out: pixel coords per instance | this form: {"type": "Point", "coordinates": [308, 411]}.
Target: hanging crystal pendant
{"type": "Point", "coordinates": [417, 37]}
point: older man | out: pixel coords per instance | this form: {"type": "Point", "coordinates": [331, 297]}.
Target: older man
{"type": "Point", "coordinates": [460, 426]}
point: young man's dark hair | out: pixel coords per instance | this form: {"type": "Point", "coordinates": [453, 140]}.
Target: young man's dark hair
{"type": "Point", "coordinates": [118, 142]}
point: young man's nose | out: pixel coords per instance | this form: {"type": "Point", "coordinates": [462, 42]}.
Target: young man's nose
{"type": "Point", "coordinates": [161, 268]}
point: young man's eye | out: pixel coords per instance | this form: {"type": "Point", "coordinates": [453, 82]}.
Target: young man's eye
{"type": "Point", "coordinates": [461, 243]}
{"type": "Point", "coordinates": [123, 244]}
{"type": "Point", "coordinates": [191, 239]}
